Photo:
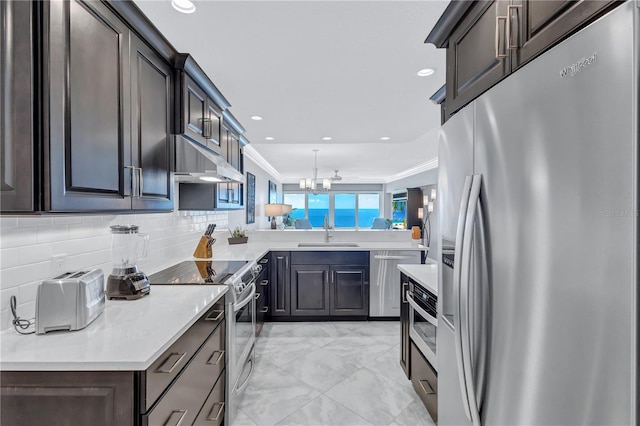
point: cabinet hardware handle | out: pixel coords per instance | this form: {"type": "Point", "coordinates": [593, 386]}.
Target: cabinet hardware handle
{"type": "Point", "coordinates": [257, 296]}
{"type": "Point", "coordinates": [264, 282]}
{"type": "Point", "coordinates": [263, 261]}
{"type": "Point", "coordinates": [264, 310]}
{"type": "Point", "coordinates": [508, 34]}
{"type": "Point", "coordinates": [172, 421]}
{"type": "Point", "coordinates": [404, 292]}
{"type": "Point", "coordinates": [217, 361]}
{"type": "Point", "coordinates": [216, 318]}
{"type": "Point", "coordinates": [286, 262]}
{"type": "Point", "coordinates": [132, 173]}
{"type": "Point", "coordinates": [218, 414]}
{"type": "Point", "coordinates": [206, 128]}
{"type": "Point", "coordinates": [498, 54]}
{"type": "Point", "coordinates": [428, 390]}
{"type": "Point", "coordinates": [140, 182]}
{"type": "Point", "coordinates": [179, 356]}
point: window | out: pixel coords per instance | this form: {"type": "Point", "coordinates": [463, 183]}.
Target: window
{"type": "Point", "coordinates": [368, 209]}
{"type": "Point", "coordinates": [318, 208]}
{"type": "Point", "coordinates": [344, 210]}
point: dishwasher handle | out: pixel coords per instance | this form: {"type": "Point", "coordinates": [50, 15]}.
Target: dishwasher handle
{"type": "Point", "coordinates": [391, 257]}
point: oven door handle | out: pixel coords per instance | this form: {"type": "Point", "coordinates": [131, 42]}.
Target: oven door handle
{"type": "Point", "coordinates": [421, 311]}
{"type": "Point", "coordinates": [245, 302]}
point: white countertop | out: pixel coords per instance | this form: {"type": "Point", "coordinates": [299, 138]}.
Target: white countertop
{"type": "Point", "coordinates": [426, 275]}
{"type": "Point", "coordinates": [255, 250]}
{"type": "Point", "coordinates": [128, 335]}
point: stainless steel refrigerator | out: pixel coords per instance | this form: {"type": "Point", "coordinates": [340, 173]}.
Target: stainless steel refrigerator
{"type": "Point", "coordinates": [538, 184]}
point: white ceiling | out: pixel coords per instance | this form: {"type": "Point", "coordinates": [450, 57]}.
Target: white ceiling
{"type": "Point", "coordinates": [345, 69]}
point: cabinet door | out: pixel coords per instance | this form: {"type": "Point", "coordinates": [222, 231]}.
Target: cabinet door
{"type": "Point", "coordinates": [545, 23]}
{"type": "Point", "coordinates": [151, 128]}
{"type": "Point", "coordinates": [16, 107]}
{"type": "Point", "coordinates": [279, 289]}
{"type": "Point", "coordinates": [233, 156]}
{"type": "Point", "coordinates": [349, 290]}
{"type": "Point", "coordinates": [225, 135]}
{"type": "Point", "coordinates": [472, 63]}
{"type": "Point", "coordinates": [89, 132]}
{"type": "Point", "coordinates": [212, 126]}
{"type": "Point", "coordinates": [310, 290]}
{"type": "Point", "coordinates": [195, 110]}
{"type": "Point", "coordinates": [405, 351]}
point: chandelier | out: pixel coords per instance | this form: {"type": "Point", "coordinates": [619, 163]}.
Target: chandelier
{"type": "Point", "coordinates": [312, 184]}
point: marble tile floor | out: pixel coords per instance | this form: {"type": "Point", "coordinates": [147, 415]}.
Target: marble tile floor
{"type": "Point", "coordinates": [330, 373]}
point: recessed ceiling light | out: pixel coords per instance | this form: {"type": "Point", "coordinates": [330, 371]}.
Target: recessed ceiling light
{"type": "Point", "coordinates": [426, 72]}
{"type": "Point", "coordinates": [256, 117]}
{"type": "Point", "coordinates": [385, 138]}
{"type": "Point", "coordinates": [327, 138]}
{"type": "Point", "coordinates": [269, 138]}
{"type": "Point", "coordinates": [184, 6]}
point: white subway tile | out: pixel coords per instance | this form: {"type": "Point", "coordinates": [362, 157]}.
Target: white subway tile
{"type": "Point", "coordinates": [27, 292]}
{"type": "Point", "coordinates": [8, 222]}
{"type": "Point", "coordinates": [52, 234]}
{"type": "Point", "coordinates": [66, 220]}
{"type": "Point", "coordinates": [82, 230]}
{"type": "Point", "coordinates": [17, 237]}
{"type": "Point", "coordinates": [9, 257]}
{"type": "Point", "coordinates": [35, 253]}
{"type": "Point", "coordinates": [33, 221]}
{"type": "Point", "coordinates": [92, 219]}
{"type": "Point", "coordinates": [19, 275]}
{"type": "Point", "coordinates": [5, 319]}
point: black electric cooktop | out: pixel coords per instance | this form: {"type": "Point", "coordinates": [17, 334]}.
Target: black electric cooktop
{"type": "Point", "coordinates": [197, 272]}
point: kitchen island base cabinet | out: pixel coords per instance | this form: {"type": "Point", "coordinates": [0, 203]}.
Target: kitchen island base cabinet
{"type": "Point", "coordinates": [405, 350]}
{"type": "Point", "coordinates": [279, 288]}
{"type": "Point", "coordinates": [67, 398]}
{"type": "Point", "coordinates": [425, 381]}
{"type": "Point", "coordinates": [310, 290]}
{"type": "Point", "coordinates": [185, 384]}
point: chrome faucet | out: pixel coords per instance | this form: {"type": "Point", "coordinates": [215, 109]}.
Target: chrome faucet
{"type": "Point", "coordinates": [326, 227]}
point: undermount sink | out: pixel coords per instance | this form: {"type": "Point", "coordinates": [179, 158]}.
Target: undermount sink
{"type": "Point", "coordinates": [328, 245]}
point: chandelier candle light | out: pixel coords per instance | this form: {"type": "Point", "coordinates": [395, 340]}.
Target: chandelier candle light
{"type": "Point", "coordinates": [311, 184]}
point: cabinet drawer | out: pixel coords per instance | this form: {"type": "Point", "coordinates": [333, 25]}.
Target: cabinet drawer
{"type": "Point", "coordinates": [424, 381]}
{"type": "Point", "coordinates": [213, 410]}
{"type": "Point", "coordinates": [169, 365]}
{"type": "Point", "coordinates": [184, 399]}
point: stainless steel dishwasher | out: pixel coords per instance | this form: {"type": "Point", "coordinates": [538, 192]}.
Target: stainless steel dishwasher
{"type": "Point", "coordinates": [384, 287]}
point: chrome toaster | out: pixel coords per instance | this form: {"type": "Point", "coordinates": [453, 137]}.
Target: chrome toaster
{"type": "Point", "coordinates": [70, 301]}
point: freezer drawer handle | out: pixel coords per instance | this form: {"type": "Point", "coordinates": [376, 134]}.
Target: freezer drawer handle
{"type": "Point", "coordinates": [216, 318]}
{"type": "Point", "coordinates": [264, 282]}
{"type": "Point", "coordinates": [218, 414]}
{"type": "Point", "coordinates": [428, 390]}
{"type": "Point", "coordinates": [175, 357]}
{"type": "Point", "coordinates": [174, 420]}
{"type": "Point", "coordinates": [264, 310]}
{"type": "Point", "coordinates": [217, 361]}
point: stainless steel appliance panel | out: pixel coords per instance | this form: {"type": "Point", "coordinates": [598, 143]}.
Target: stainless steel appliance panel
{"type": "Point", "coordinates": [455, 162]}
{"type": "Point", "coordinates": [384, 297]}
{"type": "Point", "coordinates": [558, 158]}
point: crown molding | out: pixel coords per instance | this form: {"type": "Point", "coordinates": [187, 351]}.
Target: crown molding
{"type": "Point", "coordinates": [429, 165]}
{"type": "Point", "coordinates": [254, 156]}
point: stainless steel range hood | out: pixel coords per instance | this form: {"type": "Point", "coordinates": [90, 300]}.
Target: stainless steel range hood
{"type": "Point", "coordinates": [198, 164]}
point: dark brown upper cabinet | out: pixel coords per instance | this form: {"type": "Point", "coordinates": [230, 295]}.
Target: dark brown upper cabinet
{"type": "Point", "coordinates": [94, 107]}
{"type": "Point", "coordinates": [200, 105]}
{"type": "Point", "coordinates": [17, 131]}
{"type": "Point", "coordinates": [488, 40]}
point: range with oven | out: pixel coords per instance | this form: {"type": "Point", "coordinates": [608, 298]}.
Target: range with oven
{"type": "Point", "coordinates": [240, 310]}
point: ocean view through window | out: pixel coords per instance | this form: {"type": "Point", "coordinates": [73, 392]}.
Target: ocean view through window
{"type": "Point", "coordinates": [344, 210]}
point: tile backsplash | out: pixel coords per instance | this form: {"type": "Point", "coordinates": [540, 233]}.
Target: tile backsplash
{"type": "Point", "coordinates": [28, 243]}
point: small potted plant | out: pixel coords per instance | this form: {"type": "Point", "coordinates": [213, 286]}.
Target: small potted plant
{"type": "Point", "coordinates": [238, 236]}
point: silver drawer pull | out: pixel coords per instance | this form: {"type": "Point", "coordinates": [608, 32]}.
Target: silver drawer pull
{"type": "Point", "coordinates": [257, 296]}
{"type": "Point", "coordinates": [217, 317]}
{"type": "Point", "coordinates": [218, 414]}
{"type": "Point", "coordinates": [217, 361]}
{"type": "Point", "coordinates": [264, 310]}
{"type": "Point", "coordinates": [264, 261]}
{"type": "Point", "coordinates": [264, 282]}
{"type": "Point", "coordinates": [175, 357]}
{"type": "Point", "coordinates": [428, 390]}
{"type": "Point", "coordinates": [174, 420]}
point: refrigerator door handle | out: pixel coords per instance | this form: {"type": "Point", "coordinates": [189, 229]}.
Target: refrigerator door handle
{"type": "Point", "coordinates": [460, 232]}
{"type": "Point", "coordinates": [465, 296]}
{"type": "Point", "coordinates": [481, 303]}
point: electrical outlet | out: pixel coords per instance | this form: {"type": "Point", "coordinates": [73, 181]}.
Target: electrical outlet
{"type": "Point", "coordinates": [58, 264]}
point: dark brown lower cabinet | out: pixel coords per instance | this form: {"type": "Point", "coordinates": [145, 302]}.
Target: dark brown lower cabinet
{"type": "Point", "coordinates": [425, 381]}
{"type": "Point", "coordinates": [310, 290]}
{"type": "Point", "coordinates": [185, 385]}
